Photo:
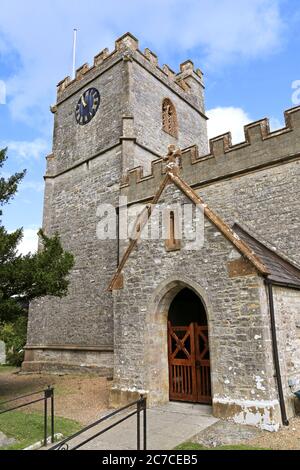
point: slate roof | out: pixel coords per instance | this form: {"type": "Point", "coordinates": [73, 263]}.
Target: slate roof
{"type": "Point", "coordinates": [280, 269]}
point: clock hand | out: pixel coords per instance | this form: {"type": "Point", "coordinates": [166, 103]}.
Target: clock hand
{"type": "Point", "coordinates": [83, 102]}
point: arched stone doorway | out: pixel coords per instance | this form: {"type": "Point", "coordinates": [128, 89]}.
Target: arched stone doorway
{"type": "Point", "coordinates": [156, 338]}
{"type": "Point", "coordinates": [188, 349]}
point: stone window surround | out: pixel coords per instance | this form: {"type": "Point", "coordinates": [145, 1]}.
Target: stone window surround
{"type": "Point", "coordinates": [169, 118]}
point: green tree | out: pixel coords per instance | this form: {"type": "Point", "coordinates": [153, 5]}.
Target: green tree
{"type": "Point", "coordinates": [24, 278]}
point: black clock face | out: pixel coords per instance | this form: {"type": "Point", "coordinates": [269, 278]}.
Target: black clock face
{"type": "Point", "coordinates": [87, 106]}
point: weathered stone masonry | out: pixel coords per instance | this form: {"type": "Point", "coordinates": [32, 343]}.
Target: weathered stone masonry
{"type": "Point", "coordinates": [83, 172]}
{"type": "Point", "coordinates": [256, 403]}
{"type": "Point", "coordinates": [234, 314]}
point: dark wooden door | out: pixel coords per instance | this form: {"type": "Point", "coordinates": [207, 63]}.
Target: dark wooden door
{"type": "Point", "coordinates": [189, 368]}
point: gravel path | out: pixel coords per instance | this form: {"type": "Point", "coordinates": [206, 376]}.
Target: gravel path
{"type": "Point", "coordinates": [287, 438]}
{"type": "Point", "coordinates": [227, 433]}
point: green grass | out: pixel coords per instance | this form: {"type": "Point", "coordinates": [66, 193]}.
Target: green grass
{"type": "Point", "coordinates": [28, 428]}
{"type": "Point", "coordinates": [8, 369]}
{"type": "Point", "coordinates": [194, 446]}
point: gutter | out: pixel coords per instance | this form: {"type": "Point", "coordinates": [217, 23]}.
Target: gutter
{"type": "Point", "coordinates": [269, 287]}
{"type": "Point", "coordinates": [288, 285]}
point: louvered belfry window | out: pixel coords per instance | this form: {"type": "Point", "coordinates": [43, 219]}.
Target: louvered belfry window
{"type": "Point", "coordinates": [169, 118]}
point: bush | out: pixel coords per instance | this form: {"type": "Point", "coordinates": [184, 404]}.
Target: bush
{"type": "Point", "coordinates": [14, 336]}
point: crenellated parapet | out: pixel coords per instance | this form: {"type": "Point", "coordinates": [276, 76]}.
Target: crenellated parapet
{"type": "Point", "coordinates": [255, 133]}
{"type": "Point", "coordinates": [260, 149]}
{"type": "Point", "coordinates": [187, 81]}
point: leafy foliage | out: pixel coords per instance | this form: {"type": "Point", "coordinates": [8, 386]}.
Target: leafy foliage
{"type": "Point", "coordinates": [24, 278]}
{"type": "Point", "coordinates": [8, 187]}
{"type": "Point", "coordinates": [14, 336]}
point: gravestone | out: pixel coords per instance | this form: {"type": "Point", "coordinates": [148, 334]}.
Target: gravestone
{"type": "Point", "coordinates": [2, 353]}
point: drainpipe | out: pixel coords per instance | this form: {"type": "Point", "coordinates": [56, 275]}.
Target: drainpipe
{"type": "Point", "coordinates": [118, 235]}
{"type": "Point", "coordinates": [269, 286]}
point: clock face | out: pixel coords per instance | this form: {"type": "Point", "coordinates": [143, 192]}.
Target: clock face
{"type": "Point", "coordinates": [87, 106]}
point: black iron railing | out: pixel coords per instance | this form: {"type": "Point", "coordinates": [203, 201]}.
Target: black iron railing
{"type": "Point", "coordinates": [139, 408]}
{"type": "Point", "coordinates": [47, 394]}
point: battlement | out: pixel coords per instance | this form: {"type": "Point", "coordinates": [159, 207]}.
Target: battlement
{"type": "Point", "coordinates": [127, 48]}
{"type": "Point", "coordinates": [261, 148]}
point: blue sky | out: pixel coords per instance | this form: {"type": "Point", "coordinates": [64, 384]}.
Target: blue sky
{"type": "Point", "coordinates": [247, 49]}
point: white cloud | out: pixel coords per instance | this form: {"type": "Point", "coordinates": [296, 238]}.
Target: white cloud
{"type": "Point", "coordinates": [25, 150]}
{"type": "Point", "coordinates": [227, 119]}
{"type": "Point", "coordinates": [2, 92]}
{"type": "Point", "coordinates": [231, 119]}
{"type": "Point", "coordinates": [41, 36]}
{"type": "Point", "coordinates": [29, 242]}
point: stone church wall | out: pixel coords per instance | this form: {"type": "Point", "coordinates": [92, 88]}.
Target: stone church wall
{"type": "Point", "coordinates": [265, 202]}
{"type": "Point", "coordinates": [287, 314]}
{"type": "Point", "coordinates": [146, 104]}
{"type": "Point", "coordinates": [84, 317]}
{"type": "Point", "coordinates": [239, 333]}
{"type": "Point", "coordinates": [73, 143]}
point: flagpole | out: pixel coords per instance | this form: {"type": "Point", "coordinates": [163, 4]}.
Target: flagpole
{"type": "Point", "coordinates": [74, 53]}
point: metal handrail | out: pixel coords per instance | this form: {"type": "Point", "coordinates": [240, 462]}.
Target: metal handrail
{"type": "Point", "coordinates": [22, 396]}
{"type": "Point", "coordinates": [20, 406]}
{"type": "Point", "coordinates": [140, 406]}
{"type": "Point", "coordinates": [104, 430]}
{"type": "Point", "coordinates": [48, 394]}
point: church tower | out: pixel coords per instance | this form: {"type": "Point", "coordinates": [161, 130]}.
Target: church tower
{"type": "Point", "coordinates": [120, 113]}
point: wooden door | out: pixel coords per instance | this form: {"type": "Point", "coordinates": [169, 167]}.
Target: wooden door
{"type": "Point", "coordinates": [189, 370]}
{"type": "Point", "coordinates": [182, 365]}
{"type": "Point", "coordinates": [202, 364]}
